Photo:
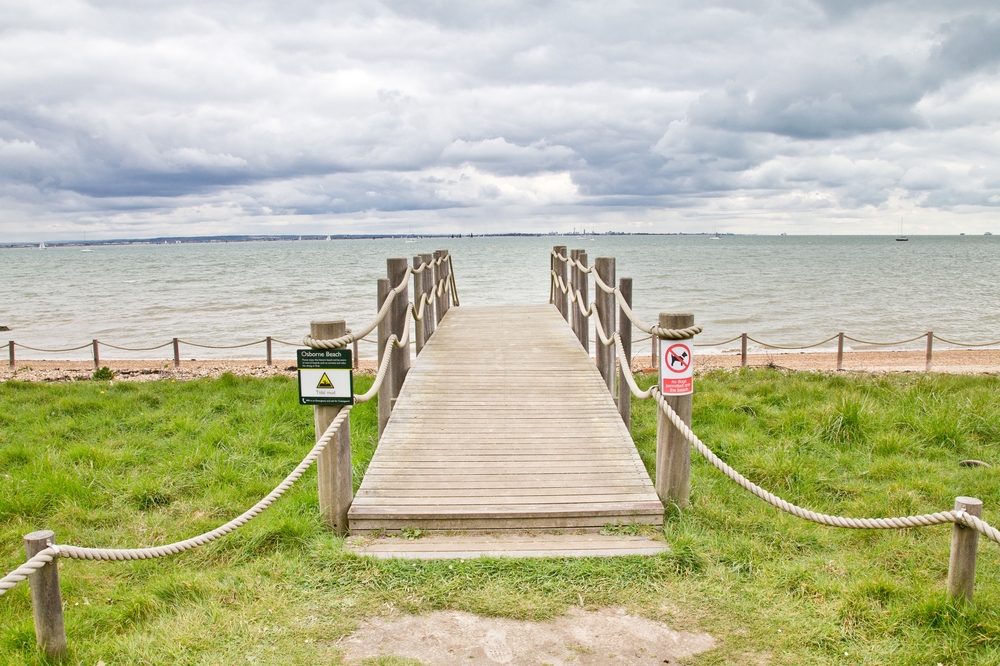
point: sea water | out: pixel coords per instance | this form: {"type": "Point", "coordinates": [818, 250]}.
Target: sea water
{"type": "Point", "coordinates": [786, 290]}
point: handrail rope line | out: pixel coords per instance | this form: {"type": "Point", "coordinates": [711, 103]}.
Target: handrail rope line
{"type": "Point", "coordinates": [247, 344]}
{"type": "Point", "coordinates": [345, 340]}
{"type": "Point", "coordinates": [764, 344]}
{"type": "Point", "coordinates": [899, 522]}
{"type": "Point", "coordinates": [884, 344]}
{"type": "Point", "coordinates": [135, 349]}
{"type": "Point", "coordinates": [964, 344]}
{"type": "Point", "coordinates": [78, 553]}
{"type": "Point", "coordinates": [37, 349]}
{"type": "Point", "coordinates": [717, 344]}
{"type": "Point", "coordinates": [663, 333]}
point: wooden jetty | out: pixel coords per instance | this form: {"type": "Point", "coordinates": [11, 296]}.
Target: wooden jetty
{"type": "Point", "coordinates": [504, 423]}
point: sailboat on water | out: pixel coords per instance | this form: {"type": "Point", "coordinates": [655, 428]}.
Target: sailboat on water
{"type": "Point", "coordinates": [901, 237]}
{"type": "Point", "coordinates": [41, 246]}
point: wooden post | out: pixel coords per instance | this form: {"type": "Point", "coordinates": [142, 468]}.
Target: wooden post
{"type": "Point", "coordinates": [584, 330]}
{"type": "Point", "coordinates": [97, 355]}
{"type": "Point", "coordinates": [653, 352]}
{"type": "Point", "coordinates": [46, 600]}
{"type": "Point", "coordinates": [743, 350]}
{"type": "Point", "coordinates": [562, 299]}
{"type": "Point", "coordinates": [396, 269]}
{"type": "Point", "coordinates": [673, 453]}
{"type": "Point", "coordinates": [269, 361]}
{"type": "Point", "coordinates": [438, 276]}
{"type": "Point", "coordinates": [964, 543]}
{"type": "Point", "coordinates": [574, 280]}
{"type": "Point", "coordinates": [356, 356]}
{"type": "Point", "coordinates": [605, 267]}
{"type": "Point", "coordinates": [625, 333]}
{"type": "Point", "coordinates": [418, 290]}
{"type": "Point", "coordinates": [177, 353]}
{"type": "Point", "coordinates": [333, 467]}
{"type": "Point", "coordinates": [10, 353]}
{"type": "Point", "coordinates": [840, 351]}
{"type": "Point", "coordinates": [430, 325]}
{"type": "Point", "coordinates": [446, 295]}
{"type": "Point", "coordinates": [930, 351]}
{"type": "Point", "coordinates": [385, 390]}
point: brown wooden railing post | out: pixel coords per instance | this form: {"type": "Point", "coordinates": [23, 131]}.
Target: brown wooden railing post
{"type": "Point", "coordinates": [46, 599]}
{"type": "Point", "coordinates": [10, 353]}
{"type": "Point", "coordinates": [673, 453]}
{"type": "Point", "coordinates": [743, 350]}
{"type": "Point", "coordinates": [625, 333]}
{"type": "Point", "coordinates": [97, 355]}
{"type": "Point", "coordinates": [269, 350]}
{"type": "Point", "coordinates": [439, 272]}
{"type": "Point", "coordinates": [654, 351]}
{"type": "Point", "coordinates": [930, 351]}
{"type": "Point", "coordinates": [840, 351]}
{"type": "Point", "coordinates": [418, 290]}
{"type": "Point", "coordinates": [177, 353]}
{"type": "Point", "coordinates": [560, 268]}
{"type": "Point", "coordinates": [385, 390]}
{"type": "Point", "coordinates": [333, 467]}
{"type": "Point", "coordinates": [964, 544]}
{"type": "Point", "coordinates": [445, 302]}
{"type": "Point", "coordinates": [396, 269]}
{"type": "Point", "coordinates": [584, 330]}
{"type": "Point", "coordinates": [574, 277]}
{"type": "Point", "coordinates": [356, 356]}
{"type": "Point", "coordinates": [605, 356]}
{"type": "Point", "coordinates": [430, 323]}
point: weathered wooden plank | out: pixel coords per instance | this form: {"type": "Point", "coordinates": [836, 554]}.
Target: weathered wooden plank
{"type": "Point", "coordinates": [504, 423]}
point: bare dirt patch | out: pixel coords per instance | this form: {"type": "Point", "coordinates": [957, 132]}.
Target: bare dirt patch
{"type": "Point", "coordinates": [446, 638]}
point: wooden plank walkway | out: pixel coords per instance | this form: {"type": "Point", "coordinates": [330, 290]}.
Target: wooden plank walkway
{"type": "Point", "coordinates": [504, 422]}
{"type": "Point", "coordinates": [466, 547]}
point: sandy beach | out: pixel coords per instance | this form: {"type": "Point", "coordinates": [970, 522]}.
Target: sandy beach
{"type": "Point", "coordinates": [958, 361]}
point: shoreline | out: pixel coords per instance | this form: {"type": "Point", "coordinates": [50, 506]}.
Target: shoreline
{"type": "Point", "coordinates": [951, 361]}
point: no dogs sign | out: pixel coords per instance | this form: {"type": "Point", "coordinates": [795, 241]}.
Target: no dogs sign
{"type": "Point", "coordinates": [676, 367]}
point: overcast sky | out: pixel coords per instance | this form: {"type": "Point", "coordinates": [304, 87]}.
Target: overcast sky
{"type": "Point", "coordinates": [146, 118]}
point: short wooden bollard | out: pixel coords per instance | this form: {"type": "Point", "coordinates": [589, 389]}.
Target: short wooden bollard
{"type": "Point", "coordinates": [930, 351]}
{"type": "Point", "coordinates": [333, 467]}
{"type": "Point", "coordinates": [743, 350]}
{"type": "Point", "coordinates": [964, 545]}
{"type": "Point", "coordinates": [625, 333]}
{"type": "Point", "coordinates": [396, 272]}
{"type": "Point", "coordinates": [605, 356]}
{"type": "Point", "coordinates": [584, 330]}
{"type": "Point", "coordinates": [97, 355]}
{"type": "Point", "coordinates": [10, 353]}
{"type": "Point", "coordinates": [356, 357]}
{"type": "Point", "coordinates": [430, 323]}
{"type": "Point", "coordinates": [673, 453]}
{"type": "Point", "coordinates": [418, 290]}
{"type": "Point", "coordinates": [840, 351]}
{"type": "Point", "coordinates": [46, 600]}
{"type": "Point", "coordinates": [560, 268]}
{"type": "Point", "coordinates": [385, 390]}
{"type": "Point", "coordinates": [269, 350]}
{"type": "Point", "coordinates": [177, 353]}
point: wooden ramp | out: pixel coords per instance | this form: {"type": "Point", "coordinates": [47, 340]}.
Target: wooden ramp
{"type": "Point", "coordinates": [504, 422]}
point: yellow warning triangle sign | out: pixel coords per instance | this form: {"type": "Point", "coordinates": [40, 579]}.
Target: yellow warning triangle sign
{"type": "Point", "coordinates": [324, 382]}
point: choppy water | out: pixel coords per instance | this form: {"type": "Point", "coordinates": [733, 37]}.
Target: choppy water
{"type": "Point", "coordinates": [785, 289]}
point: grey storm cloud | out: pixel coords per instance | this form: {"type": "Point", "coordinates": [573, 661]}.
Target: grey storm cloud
{"type": "Point", "coordinates": [123, 116]}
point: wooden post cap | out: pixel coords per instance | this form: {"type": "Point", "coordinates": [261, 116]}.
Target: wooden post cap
{"type": "Point", "coordinates": [45, 536]}
{"type": "Point", "coordinates": [970, 505]}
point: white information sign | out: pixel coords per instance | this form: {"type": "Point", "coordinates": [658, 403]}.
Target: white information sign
{"type": "Point", "coordinates": [325, 377]}
{"type": "Point", "coordinates": [676, 367]}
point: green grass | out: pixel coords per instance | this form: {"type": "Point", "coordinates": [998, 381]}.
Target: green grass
{"type": "Point", "coordinates": [136, 464]}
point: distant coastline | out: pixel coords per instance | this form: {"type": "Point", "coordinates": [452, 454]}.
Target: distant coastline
{"type": "Point", "coordinates": [182, 240]}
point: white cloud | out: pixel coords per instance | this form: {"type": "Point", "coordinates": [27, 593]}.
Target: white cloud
{"type": "Point", "coordinates": [142, 117]}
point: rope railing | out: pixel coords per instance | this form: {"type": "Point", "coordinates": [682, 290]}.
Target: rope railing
{"type": "Point", "coordinates": [81, 553]}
